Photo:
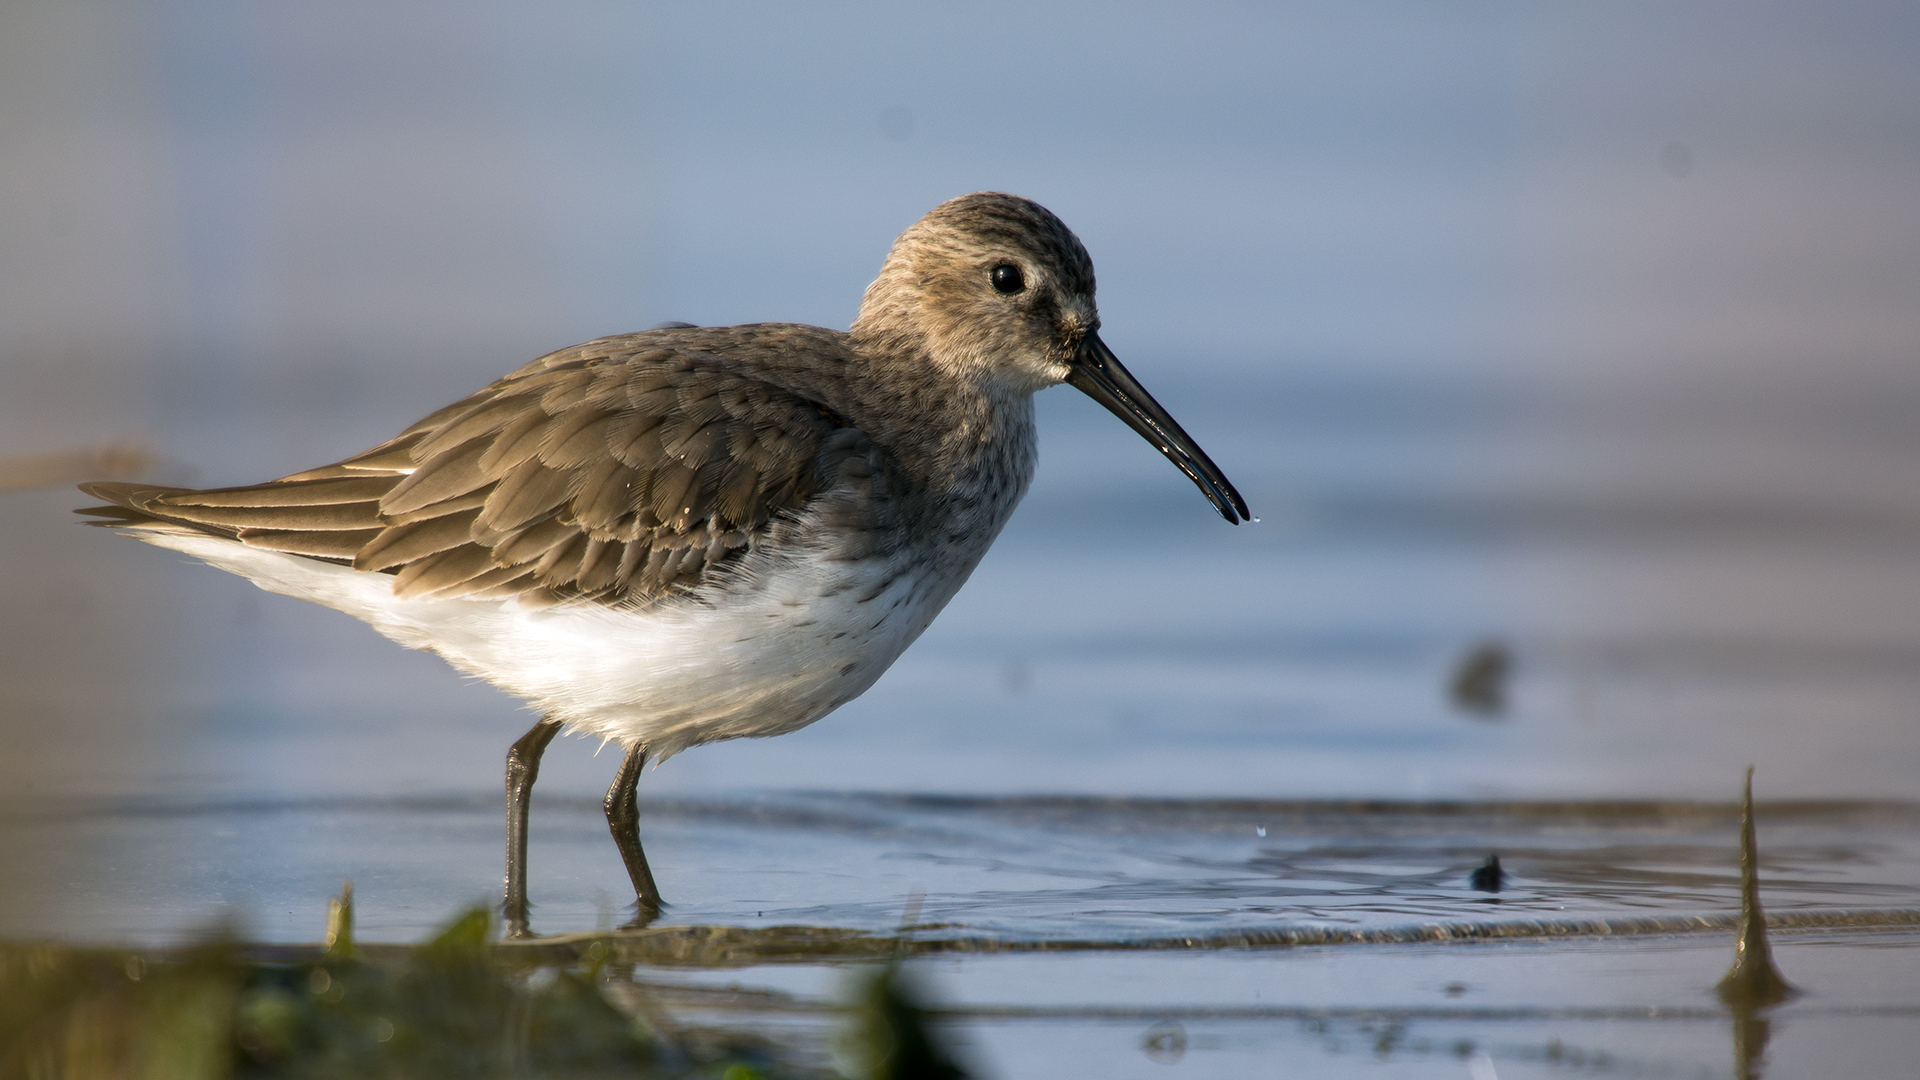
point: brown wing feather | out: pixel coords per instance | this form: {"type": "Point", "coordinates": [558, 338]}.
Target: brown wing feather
{"type": "Point", "coordinates": [623, 468]}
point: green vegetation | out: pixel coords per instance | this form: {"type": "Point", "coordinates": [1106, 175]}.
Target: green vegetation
{"type": "Point", "coordinates": [890, 1038]}
{"type": "Point", "coordinates": [453, 1007]}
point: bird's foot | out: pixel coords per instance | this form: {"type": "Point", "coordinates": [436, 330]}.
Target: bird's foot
{"type": "Point", "coordinates": [644, 915]}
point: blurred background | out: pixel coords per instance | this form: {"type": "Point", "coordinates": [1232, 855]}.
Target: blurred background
{"type": "Point", "coordinates": [1567, 353]}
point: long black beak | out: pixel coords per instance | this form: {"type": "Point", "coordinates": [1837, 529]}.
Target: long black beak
{"type": "Point", "coordinates": [1097, 373]}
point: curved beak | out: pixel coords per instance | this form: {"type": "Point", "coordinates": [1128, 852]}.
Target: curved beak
{"type": "Point", "coordinates": [1097, 373]}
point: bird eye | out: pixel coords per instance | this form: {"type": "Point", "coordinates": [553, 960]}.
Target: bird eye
{"type": "Point", "coordinates": [1007, 279]}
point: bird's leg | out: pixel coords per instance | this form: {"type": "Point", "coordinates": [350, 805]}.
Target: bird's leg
{"type": "Point", "coordinates": [523, 768]}
{"type": "Point", "coordinates": [623, 817]}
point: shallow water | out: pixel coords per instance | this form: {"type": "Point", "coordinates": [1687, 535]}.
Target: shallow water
{"type": "Point", "coordinates": [1507, 1009]}
{"type": "Point", "coordinates": [1116, 937]}
{"type": "Point", "coordinates": [1022, 872]}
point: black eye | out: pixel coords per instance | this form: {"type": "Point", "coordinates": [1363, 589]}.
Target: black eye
{"type": "Point", "coordinates": [1007, 279]}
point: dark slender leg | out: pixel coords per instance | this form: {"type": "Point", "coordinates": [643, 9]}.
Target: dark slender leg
{"type": "Point", "coordinates": [623, 817]}
{"type": "Point", "coordinates": [523, 768]}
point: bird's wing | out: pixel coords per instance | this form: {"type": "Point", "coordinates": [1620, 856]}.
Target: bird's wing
{"type": "Point", "coordinates": [626, 468]}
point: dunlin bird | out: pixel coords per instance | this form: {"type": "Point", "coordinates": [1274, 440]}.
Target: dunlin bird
{"type": "Point", "coordinates": [690, 534]}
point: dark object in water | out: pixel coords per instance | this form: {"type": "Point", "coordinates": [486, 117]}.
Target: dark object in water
{"type": "Point", "coordinates": [1488, 877]}
{"type": "Point", "coordinates": [1480, 682]}
{"type": "Point", "coordinates": [1753, 982]}
{"type": "Point", "coordinates": [1165, 1043]}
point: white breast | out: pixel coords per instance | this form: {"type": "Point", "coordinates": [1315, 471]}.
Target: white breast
{"type": "Point", "coordinates": [764, 658]}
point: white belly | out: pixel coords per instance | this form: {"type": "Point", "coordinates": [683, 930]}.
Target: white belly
{"type": "Point", "coordinates": [767, 655]}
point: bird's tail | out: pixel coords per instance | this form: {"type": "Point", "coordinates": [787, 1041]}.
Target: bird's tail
{"type": "Point", "coordinates": [320, 517]}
